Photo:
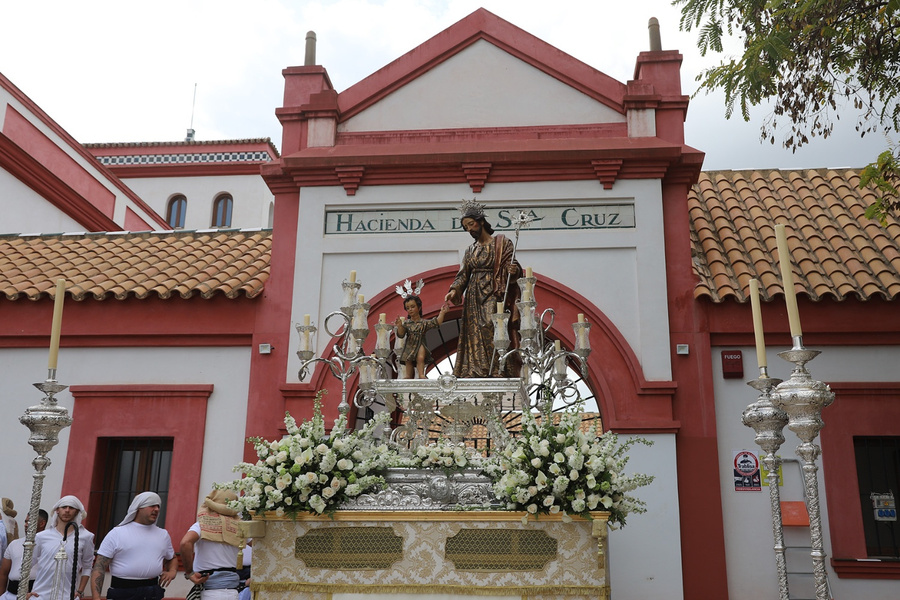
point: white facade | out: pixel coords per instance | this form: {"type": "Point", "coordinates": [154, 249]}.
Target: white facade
{"type": "Point", "coordinates": [748, 533]}
{"type": "Point", "coordinates": [226, 369]}
{"type": "Point", "coordinates": [252, 198]}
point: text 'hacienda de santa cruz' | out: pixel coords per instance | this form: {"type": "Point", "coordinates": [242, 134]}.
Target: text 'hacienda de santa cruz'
{"type": "Point", "coordinates": [605, 216]}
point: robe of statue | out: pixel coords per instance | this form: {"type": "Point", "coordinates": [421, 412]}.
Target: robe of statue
{"type": "Point", "coordinates": [482, 277]}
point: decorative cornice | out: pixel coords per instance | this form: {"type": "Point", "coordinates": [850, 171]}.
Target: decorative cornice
{"type": "Point", "coordinates": [607, 170]}
{"type": "Point", "coordinates": [350, 178]}
{"type": "Point", "coordinates": [476, 174]}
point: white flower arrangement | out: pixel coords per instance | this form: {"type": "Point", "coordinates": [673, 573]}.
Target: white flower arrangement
{"type": "Point", "coordinates": [441, 454]}
{"type": "Point", "coordinates": [551, 468]}
{"type": "Point", "coordinates": [309, 469]}
{"type": "Point", "coordinates": [556, 468]}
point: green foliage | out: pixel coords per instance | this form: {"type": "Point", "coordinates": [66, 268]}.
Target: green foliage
{"type": "Point", "coordinates": [812, 59]}
{"type": "Point", "coordinates": [884, 176]}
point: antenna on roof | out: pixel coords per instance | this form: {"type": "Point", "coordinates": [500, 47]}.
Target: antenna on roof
{"type": "Point", "coordinates": [190, 131]}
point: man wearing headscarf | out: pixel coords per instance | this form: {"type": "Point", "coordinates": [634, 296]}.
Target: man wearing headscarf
{"type": "Point", "coordinates": [212, 548]}
{"type": "Point", "coordinates": [53, 578]}
{"type": "Point", "coordinates": [11, 565]}
{"type": "Point", "coordinates": [139, 555]}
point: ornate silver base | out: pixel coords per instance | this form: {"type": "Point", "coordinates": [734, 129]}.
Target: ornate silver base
{"type": "Point", "coordinates": [429, 489]}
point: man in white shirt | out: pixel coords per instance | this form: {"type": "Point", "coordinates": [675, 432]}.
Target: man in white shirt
{"type": "Point", "coordinates": [53, 581]}
{"type": "Point", "coordinates": [11, 565]}
{"type": "Point", "coordinates": [211, 547]}
{"type": "Point", "coordinates": [139, 555]}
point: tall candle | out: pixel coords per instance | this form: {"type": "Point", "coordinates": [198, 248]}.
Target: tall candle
{"type": "Point", "coordinates": [382, 318]}
{"type": "Point", "coordinates": [352, 276]}
{"type": "Point", "coordinates": [306, 320]}
{"type": "Point", "coordinates": [361, 299]}
{"type": "Point", "coordinates": [528, 272]}
{"type": "Point", "coordinates": [499, 307]}
{"type": "Point", "coordinates": [757, 324]}
{"type": "Point", "coordinates": [57, 323]}
{"type": "Point", "coordinates": [559, 365]}
{"type": "Point", "coordinates": [787, 278]}
{"type": "Point", "coordinates": [581, 317]}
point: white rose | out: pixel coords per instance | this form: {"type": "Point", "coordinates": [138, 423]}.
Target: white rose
{"type": "Point", "coordinates": [536, 463]}
{"type": "Point", "coordinates": [328, 492]}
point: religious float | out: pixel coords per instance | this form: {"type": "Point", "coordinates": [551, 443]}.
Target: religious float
{"type": "Point", "coordinates": [454, 487]}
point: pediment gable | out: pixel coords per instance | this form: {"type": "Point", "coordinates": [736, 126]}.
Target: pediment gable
{"type": "Point", "coordinates": [481, 70]}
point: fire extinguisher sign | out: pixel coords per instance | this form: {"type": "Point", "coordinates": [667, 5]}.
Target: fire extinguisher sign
{"type": "Point", "coordinates": [747, 476]}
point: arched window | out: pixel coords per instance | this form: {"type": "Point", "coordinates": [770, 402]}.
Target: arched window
{"type": "Point", "coordinates": [222, 211]}
{"type": "Point", "coordinates": [176, 211]}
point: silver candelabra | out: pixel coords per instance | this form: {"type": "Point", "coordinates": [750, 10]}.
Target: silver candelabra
{"type": "Point", "coordinates": [44, 421]}
{"type": "Point", "coordinates": [545, 359]}
{"type": "Point", "coordinates": [768, 422]}
{"type": "Point", "coordinates": [352, 330]}
{"type": "Point", "coordinates": [803, 399]}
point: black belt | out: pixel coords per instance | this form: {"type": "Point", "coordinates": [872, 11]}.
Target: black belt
{"type": "Point", "coordinates": [118, 582]}
{"type": "Point", "coordinates": [12, 585]}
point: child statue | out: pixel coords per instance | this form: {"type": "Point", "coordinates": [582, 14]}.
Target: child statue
{"type": "Point", "coordinates": [415, 354]}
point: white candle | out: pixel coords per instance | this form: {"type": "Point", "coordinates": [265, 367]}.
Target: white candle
{"type": "Point", "coordinates": [56, 326]}
{"type": "Point", "coordinates": [787, 278]}
{"type": "Point", "coordinates": [559, 365]}
{"type": "Point", "coordinates": [304, 340]}
{"type": "Point", "coordinates": [361, 299]}
{"type": "Point", "coordinates": [581, 317]}
{"type": "Point", "coordinates": [306, 320]}
{"type": "Point", "coordinates": [499, 307]}
{"type": "Point", "coordinates": [352, 276]}
{"type": "Point", "coordinates": [528, 272]}
{"type": "Point", "coordinates": [382, 318]}
{"type": "Point", "coordinates": [757, 324]}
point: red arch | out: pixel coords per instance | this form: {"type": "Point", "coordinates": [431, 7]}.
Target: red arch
{"type": "Point", "coordinates": [628, 402]}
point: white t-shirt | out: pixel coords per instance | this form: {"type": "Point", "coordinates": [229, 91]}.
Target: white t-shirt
{"type": "Point", "coordinates": [210, 555]}
{"type": "Point", "coordinates": [47, 543]}
{"type": "Point", "coordinates": [14, 553]}
{"type": "Point", "coordinates": [137, 551]}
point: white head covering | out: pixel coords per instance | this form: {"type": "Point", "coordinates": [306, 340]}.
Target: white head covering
{"type": "Point", "coordinates": [142, 500]}
{"type": "Point", "coordinates": [68, 501]}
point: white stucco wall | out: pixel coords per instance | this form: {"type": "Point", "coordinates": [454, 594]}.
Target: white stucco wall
{"type": "Point", "coordinates": [638, 568]}
{"type": "Point", "coordinates": [250, 194]}
{"type": "Point", "coordinates": [509, 93]}
{"type": "Point", "coordinates": [227, 369]}
{"type": "Point", "coordinates": [747, 515]}
{"type": "Point", "coordinates": [621, 271]}
{"type": "Point", "coordinates": [25, 211]}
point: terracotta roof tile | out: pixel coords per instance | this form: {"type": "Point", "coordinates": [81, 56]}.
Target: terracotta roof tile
{"type": "Point", "coordinates": [103, 265]}
{"type": "Point", "coordinates": [835, 251]}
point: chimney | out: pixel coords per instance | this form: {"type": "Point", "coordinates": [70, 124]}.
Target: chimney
{"type": "Point", "coordinates": [310, 58]}
{"type": "Point", "coordinates": [655, 41]}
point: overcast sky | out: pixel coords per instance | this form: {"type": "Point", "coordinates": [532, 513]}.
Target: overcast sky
{"type": "Point", "coordinates": [121, 71]}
